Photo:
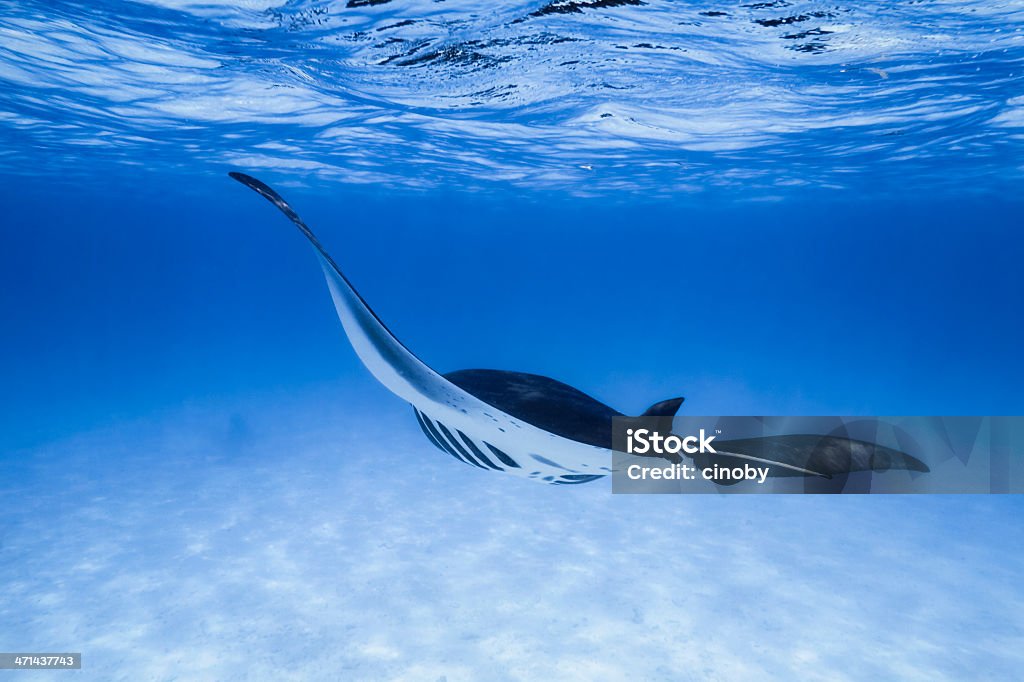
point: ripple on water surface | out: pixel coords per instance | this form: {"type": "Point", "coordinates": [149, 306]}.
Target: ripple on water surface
{"type": "Point", "coordinates": [591, 96]}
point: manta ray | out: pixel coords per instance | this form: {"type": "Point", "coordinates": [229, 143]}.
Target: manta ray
{"type": "Point", "coordinates": [533, 426]}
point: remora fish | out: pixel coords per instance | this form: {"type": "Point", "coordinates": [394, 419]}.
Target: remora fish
{"type": "Point", "coordinates": [533, 426]}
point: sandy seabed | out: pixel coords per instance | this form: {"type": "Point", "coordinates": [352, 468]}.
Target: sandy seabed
{"type": "Point", "coordinates": [313, 543]}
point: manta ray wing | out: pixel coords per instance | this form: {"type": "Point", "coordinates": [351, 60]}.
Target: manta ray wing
{"type": "Point", "coordinates": [468, 427]}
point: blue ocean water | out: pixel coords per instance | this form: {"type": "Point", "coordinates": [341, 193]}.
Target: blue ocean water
{"type": "Point", "coordinates": [769, 208]}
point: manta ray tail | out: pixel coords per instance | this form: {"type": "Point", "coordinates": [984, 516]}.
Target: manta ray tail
{"type": "Point", "coordinates": [814, 455]}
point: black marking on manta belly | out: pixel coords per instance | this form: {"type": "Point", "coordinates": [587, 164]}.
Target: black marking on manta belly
{"type": "Point", "coordinates": [455, 443]}
{"type": "Point", "coordinates": [568, 479]}
{"type": "Point", "coordinates": [436, 433]}
{"type": "Point", "coordinates": [433, 435]}
{"type": "Point", "coordinates": [477, 452]}
{"type": "Point", "coordinates": [439, 440]}
{"type": "Point", "coordinates": [457, 453]}
{"type": "Point", "coordinates": [545, 460]}
{"type": "Point", "coordinates": [426, 431]}
{"type": "Point", "coordinates": [505, 459]}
